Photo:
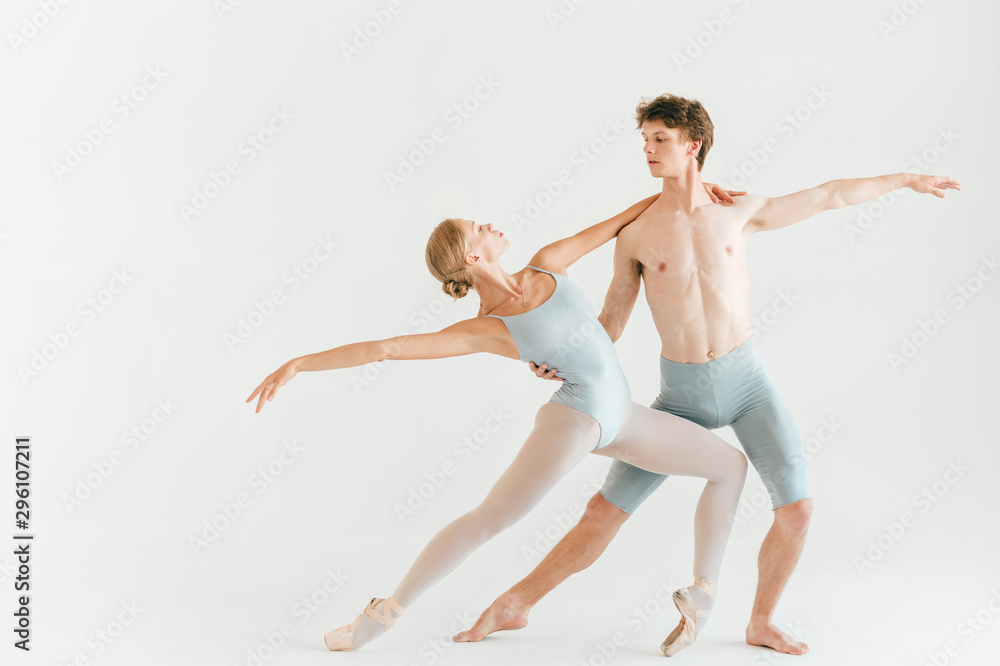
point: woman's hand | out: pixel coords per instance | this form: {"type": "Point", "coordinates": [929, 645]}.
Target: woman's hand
{"type": "Point", "coordinates": [269, 387]}
{"type": "Point", "coordinates": [719, 195]}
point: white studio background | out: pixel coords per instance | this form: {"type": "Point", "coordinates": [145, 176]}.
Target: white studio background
{"type": "Point", "coordinates": [138, 273]}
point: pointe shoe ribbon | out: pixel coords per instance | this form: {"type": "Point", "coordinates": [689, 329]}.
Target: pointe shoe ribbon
{"type": "Point", "coordinates": [686, 631]}
{"type": "Point", "coordinates": [342, 639]}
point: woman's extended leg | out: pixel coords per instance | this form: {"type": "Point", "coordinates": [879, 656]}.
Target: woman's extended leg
{"type": "Point", "coordinates": [561, 437]}
{"type": "Point", "coordinates": [668, 444]}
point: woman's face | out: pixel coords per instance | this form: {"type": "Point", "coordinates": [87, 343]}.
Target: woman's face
{"type": "Point", "coordinates": [484, 241]}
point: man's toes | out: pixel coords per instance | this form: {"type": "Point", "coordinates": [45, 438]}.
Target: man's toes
{"type": "Point", "coordinates": [469, 636]}
{"type": "Point", "coordinates": [789, 645]}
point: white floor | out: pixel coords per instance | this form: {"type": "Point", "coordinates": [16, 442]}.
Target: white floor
{"type": "Point", "coordinates": [226, 608]}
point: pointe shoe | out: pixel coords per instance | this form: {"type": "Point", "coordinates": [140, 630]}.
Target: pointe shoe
{"type": "Point", "coordinates": [342, 639]}
{"type": "Point", "coordinates": [684, 634]}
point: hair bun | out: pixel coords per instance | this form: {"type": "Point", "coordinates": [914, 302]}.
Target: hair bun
{"type": "Point", "coordinates": [455, 289]}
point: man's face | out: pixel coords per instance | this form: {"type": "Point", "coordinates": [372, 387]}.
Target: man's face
{"type": "Point", "coordinates": [667, 149]}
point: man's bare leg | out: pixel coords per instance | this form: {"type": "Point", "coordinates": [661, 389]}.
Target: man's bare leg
{"type": "Point", "coordinates": [576, 551]}
{"type": "Point", "coordinates": [778, 556]}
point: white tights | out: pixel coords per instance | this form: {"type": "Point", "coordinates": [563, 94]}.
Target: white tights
{"type": "Point", "coordinates": [562, 436]}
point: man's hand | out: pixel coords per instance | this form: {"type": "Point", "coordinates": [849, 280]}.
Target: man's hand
{"type": "Point", "coordinates": [779, 212]}
{"type": "Point", "coordinates": [719, 195]}
{"type": "Point", "coordinates": [540, 371]}
{"type": "Point", "coordinates": [932, 184]}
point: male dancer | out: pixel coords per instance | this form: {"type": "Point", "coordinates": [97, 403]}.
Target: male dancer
{"type": "Point", "coordinates": [690, 254]}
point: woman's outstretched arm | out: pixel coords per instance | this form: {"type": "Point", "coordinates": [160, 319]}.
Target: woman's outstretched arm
{"type": "Point", "coordinates": [466, 337]}
{"type": "Point", "coordinates": [563, 253]}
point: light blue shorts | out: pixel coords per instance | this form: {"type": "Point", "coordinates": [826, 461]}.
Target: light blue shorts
{"type": "Point", "coordinates": [735, 390]}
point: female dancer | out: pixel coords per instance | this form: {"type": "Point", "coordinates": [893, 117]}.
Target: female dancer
{"type": "Point", "coordinates": [538, 314]}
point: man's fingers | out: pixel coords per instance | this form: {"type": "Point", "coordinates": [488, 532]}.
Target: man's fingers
{"type": "Point", "coordinates": [543, 371]}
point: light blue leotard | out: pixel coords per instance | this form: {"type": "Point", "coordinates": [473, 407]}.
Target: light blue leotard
{"type": "Point", "coordinates": [565, 333]}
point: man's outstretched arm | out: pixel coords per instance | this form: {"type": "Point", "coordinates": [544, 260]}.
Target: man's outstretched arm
{"type": "Point", "coordinates": [779, 212]}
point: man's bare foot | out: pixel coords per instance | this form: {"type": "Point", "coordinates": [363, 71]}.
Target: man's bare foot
{"type": "Point", "coordinates": [768, 635]}
{"type": "Point", "coordinates": [504, 614]}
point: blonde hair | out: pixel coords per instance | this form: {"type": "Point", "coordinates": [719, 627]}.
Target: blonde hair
{"type": "Point", "coordinates": [445, 257]}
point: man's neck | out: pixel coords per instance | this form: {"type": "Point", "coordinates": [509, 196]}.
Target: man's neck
{"type": "Point", "coordinates": [684, 193]}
